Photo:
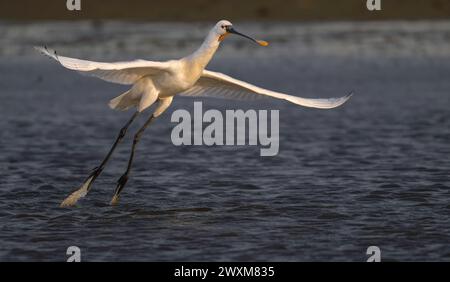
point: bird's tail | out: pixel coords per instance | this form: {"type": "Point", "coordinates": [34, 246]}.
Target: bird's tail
{"type": "Point", "coordinates": [123, 102]}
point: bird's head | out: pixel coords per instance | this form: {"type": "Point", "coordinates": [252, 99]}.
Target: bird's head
{"type": "Point", "coordinates": [223, 28]}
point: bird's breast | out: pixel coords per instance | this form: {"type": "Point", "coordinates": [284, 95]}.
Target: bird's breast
{"type": "Point", "coordinates": [176, 82]}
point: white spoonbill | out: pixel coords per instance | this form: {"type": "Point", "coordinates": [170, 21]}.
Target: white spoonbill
{"type": "Point", "coordinates": [160, 81]}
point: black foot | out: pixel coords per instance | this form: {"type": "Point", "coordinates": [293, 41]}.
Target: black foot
{"type": "Point", "coordinates": [120, 184]}
{"type": "Point", "coordinates": [95, 172]}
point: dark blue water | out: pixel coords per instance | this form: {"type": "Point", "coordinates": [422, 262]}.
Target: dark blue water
{"type": "Point", "coordinates": [373, 172]}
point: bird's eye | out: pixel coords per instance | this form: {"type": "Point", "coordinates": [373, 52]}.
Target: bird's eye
{"type": "Point", "coordinates": [223, 26]}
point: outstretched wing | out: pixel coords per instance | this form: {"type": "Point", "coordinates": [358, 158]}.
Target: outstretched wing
{"type": "Point", "coordinates": [118, 72]}
{"type": "Point", "coordinates": [215, 84]}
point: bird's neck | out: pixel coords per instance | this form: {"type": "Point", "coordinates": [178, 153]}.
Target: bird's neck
{"type": "Point", "coordinates": [204, 54]}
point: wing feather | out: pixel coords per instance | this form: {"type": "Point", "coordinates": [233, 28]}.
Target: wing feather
{"type": "Point", "coordinates": [118, 72]}
{"type": "Point", "coordinates": [215, 84]}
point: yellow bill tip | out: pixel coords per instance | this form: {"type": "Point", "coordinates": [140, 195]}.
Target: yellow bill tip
{"type": "Point", "coordinates": [262, 42]}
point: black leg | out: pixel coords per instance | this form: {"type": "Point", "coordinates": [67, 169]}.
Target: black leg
{"type": "Point", "coordinates": [121, 135]}
{"type": "Point", "coordinates": [81, 192]}
{"type": "Point", "coordinates": [124, 178]}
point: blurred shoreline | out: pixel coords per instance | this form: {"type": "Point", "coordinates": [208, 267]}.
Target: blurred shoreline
{"type": "Point", "coordinates": [123, 40]}
{"type": "Point", "coordinates": [204, 10]}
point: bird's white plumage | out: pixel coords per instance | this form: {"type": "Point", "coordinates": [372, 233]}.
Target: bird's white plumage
{"type": "Point", "coordinates": [161, 81]}
{"type": "Point", "coordinates": [187, 77]}
{"type": "Point", "coordinates": [117, 72]}
{"type": "Point", "coordinates": [210, 84]}
{"type": "Point", "coordinates": [216, 84]}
